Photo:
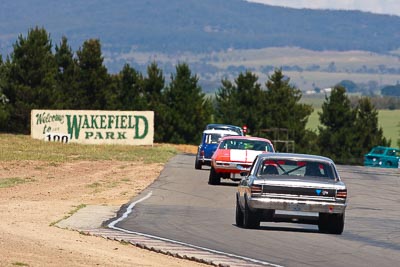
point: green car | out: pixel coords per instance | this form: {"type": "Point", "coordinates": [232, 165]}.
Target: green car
{"type": "Point", "coordinates": [385, 157]}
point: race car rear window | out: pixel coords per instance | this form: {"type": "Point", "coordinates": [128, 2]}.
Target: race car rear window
{"type": "Point", "coordinates": [213, 138]}
{"type": "Point", "coordinates": [297, 168]}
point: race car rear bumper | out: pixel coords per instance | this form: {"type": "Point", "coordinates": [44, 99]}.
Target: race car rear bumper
{"type": "Point", "coordinates": [296, 205]}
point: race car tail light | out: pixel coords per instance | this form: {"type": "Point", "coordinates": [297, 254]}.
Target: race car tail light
{"type": "Point", "coordinates": [256, 189]}
{"type": "Point", "coordinates": [202, 153]}
{"type": "Point", "coordinates": [341, 193]}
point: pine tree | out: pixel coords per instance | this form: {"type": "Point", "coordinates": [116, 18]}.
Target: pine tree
{"type": "Point", "coordinates": [31, 81]}
{"type": "Point", "coordinates": [4, 113]}
{"type": "Point", "coordinates": [336, 135]}
{"type": "Point", "coordinates": [131, 95]}
{"type": "Point", "coordinates": [366, 129]}
{"type": "Point", "coordinates": [67, 76]}
{"type": "Point", "coordinates": [188, 109]}
{"type": "Point", "coordinates": [241, 103]}
{"type": "Point", "coordinates": [283, 110]}
{"type": "Point", "coordinates": [94, 81]}
{"type": "Point", "coordinates": [251, 102]}
{"type": "Point", "coordinates": [153, 86]}
{"type": "Point", "coordinates": [226, 103]}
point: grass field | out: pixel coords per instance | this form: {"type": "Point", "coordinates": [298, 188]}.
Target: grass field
{"type": "Point", "coordinates": [279, 56]}
{"type": "Point", "coordinates": [389, 120]}
{"type": "Point", "coordinates": [347, 65]}
{"type": "Point", "coordinates": [23, 147]}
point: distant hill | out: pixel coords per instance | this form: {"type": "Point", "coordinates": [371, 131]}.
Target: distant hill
{"type": "Point", "coordinates": [219, 38]}
{"type": "Point", "coordinates": [197, 25]}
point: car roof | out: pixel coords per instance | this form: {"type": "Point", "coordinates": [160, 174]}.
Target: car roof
{"type": "Point", "coordinates": [385, 147]}
{"type": "Point", "coordinates": [215, 125]}
{"type": "Point", "coordinates": [221, 126]}
{"type": "Point", "coordinates": [223, 132]}
{"type": "Point", "coordinates": [296, 156]}
{"type": "Point", "coordinates": [240, 137]}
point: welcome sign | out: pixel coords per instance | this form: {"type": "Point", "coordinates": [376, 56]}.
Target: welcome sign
{"type": "Point", "coordinates": [93, 126]}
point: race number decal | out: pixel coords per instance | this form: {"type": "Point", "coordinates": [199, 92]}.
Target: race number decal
{"type": "Point", "coordinates": [57, 137]}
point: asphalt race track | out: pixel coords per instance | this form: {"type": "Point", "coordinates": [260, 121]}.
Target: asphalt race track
{"type": "Point", "coordinates": [181, 206]}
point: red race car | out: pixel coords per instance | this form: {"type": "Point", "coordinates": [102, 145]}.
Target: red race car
{"type": "Point", "coordinates": [234, 155]}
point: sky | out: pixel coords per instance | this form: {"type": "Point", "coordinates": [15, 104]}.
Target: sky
{"type": "Point", "coordinates": [391, 7]}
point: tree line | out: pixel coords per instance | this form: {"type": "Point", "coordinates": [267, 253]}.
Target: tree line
{"type": "Point", "coordinates": [37, 76]}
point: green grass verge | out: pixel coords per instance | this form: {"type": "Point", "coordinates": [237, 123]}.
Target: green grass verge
{"type": "Point", "coordinates": [20, 264]}
{"type": "Point", "coordinates": [23, 147]}
{"type": "Point", "coordinates": [10, 182]}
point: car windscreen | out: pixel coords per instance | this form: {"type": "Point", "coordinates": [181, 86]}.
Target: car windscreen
{"type": "Point", "coordinates": [243, 144]}
{"type": "Point", "coordinates": [393, 153]}
{"type": "Point", "coordinates": [378, 150]}
{"type": "Point", "coordinates": [296, 168]}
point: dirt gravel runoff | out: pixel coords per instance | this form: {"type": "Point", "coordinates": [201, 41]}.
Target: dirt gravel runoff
{"type": "Point", "coordinates": [43, 194]}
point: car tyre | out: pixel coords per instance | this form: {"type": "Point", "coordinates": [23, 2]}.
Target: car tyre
{"type": "Point", "coordinates": [239, 214]}
{"type": "Point", "coordinates": [251, 220]}
{"type": "Point", "coordinates": [331, 223]}
{"type": "Point", "coordinates": [214, 178]}
{"type": "Point", "coordinates": [336, 224]}
{"type": "Point", "coordinates": [323, 222]}
{"type": "Point", "coordinates": [197, 164]}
